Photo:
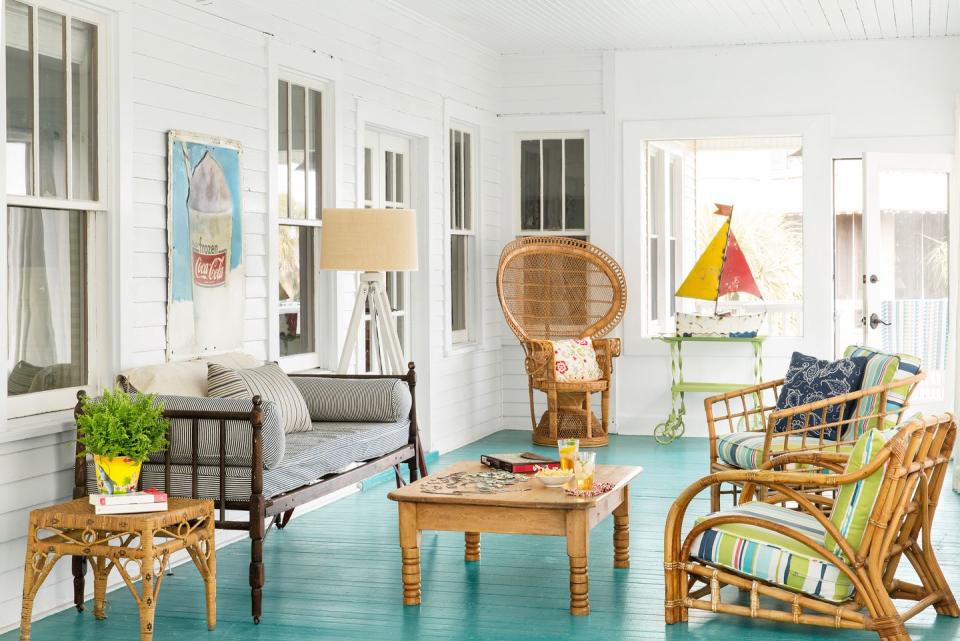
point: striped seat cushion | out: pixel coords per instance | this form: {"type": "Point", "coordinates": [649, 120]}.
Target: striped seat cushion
{"type": "Point", "coordinates": [372, 400]}
{"type": "Point", "coordinates": [270, 382]}
{"type": "Point", "coordinates": [744, 450]}
{"type": "Point", "coordinates": [326, 449]}
{"type": "Point", "coordinates": [881, 369]}
{"type": "Point", "coordinates": [770, 556]}
{"type": "Point", "coordinates": [854, 503]}
{"type": "Point", "coordinates": [239, 445]}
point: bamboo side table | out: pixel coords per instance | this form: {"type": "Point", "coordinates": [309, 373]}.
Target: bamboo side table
{"type": "Point", "coordinates": [137, 545]}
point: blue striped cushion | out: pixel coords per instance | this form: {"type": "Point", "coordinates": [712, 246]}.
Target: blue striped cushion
{"type": "Point", "coordinates": [771, 556]}
{"type": "Point", "coordinates": [239, 433]}
{"type": "Point", "coordinates": [270, 382]}
{"type": "Point", "coordinates": [744, 450]}
{"type": "Point", "coordinates": [371, 400]}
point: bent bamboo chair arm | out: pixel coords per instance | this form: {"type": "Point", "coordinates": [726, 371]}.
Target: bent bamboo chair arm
{"type": "Point", "coordinates": [751, 389]}
{"type": "Point", "coordinates": [607, 349]}
{"type": "Point", "coordinates": [824, 460]}
{"type": "Point", "coordinates": [539, 358]}
{"type": "Point", "coordinates": [753, 392]}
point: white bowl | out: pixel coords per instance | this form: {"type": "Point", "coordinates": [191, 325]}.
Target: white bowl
{"type": "Point", "coordinates": [553, 481]}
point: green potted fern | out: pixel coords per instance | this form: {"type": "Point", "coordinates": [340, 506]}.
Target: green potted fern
{"type": "Point", "coordinates": [120, 431]}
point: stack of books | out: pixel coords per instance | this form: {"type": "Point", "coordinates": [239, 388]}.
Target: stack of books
{"type": "Point", "coordinates": [130, 503]}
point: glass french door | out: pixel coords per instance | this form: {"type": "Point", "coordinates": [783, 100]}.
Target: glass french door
{"type": "Point", "coordinates": [386, 185]}
{"type": "Point", "coordinates": [893, 262]}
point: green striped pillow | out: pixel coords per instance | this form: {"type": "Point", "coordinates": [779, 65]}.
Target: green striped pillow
{"type": "Point", "coordinates": [881, 368]}
{"type": "Point", "coordinates": [854, 504]}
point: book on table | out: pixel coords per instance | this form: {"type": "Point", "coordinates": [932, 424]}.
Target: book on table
{"type": "Point", "coordinates": [518, 462]}
{"type": "Point", "coordinates": [129, 503]}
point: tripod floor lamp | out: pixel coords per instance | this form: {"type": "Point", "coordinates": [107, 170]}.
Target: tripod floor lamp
{"type": "Point", "coordinates": [371, 241]}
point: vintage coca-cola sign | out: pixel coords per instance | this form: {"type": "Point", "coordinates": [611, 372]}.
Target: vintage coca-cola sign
{"type": "Point", "coordinates": [209, 270]}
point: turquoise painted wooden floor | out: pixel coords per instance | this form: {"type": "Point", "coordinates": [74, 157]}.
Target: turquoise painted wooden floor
{"type": "Point", "coordinates": [335, 574]}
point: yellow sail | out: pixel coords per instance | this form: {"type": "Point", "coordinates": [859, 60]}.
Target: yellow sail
{"type": "Point", "coordinates": [703, 281]}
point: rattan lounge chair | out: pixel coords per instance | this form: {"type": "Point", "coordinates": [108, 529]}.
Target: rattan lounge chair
{"type": "Point", "coordinates": [832, 564]}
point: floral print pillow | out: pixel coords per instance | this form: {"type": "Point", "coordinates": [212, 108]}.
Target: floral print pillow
{"type": "Point", "coordinates": [574, 359]}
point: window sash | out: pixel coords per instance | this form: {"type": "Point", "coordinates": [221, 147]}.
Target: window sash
{"type": "Point", "coordinates": [94, 209]}
{"type": "Point", "coordinates": [462, 224]}
{"type": "Point", "coordinates": [565, 229]}
{"type": "Point", "coordinates": [34, 199]}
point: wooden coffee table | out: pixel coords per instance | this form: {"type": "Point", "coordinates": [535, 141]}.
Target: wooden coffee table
{"type": "Point", "coordinates": [536, 509]}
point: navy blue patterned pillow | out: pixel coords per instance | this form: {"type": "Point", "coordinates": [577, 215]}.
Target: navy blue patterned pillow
{"type": "Point", "coordinates": [809, 380]}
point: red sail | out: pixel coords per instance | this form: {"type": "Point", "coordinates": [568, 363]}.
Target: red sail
{"type": "Point", "coordinates": [735, 275]}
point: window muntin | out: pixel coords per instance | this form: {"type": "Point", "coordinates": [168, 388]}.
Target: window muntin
{"type": "Point", "coordinates": [52, 200]}
{"type": "Point", "coordinates": [462, 237]}
{"type": "Point", "coordinates": [763, 179]}
{"type": "Point", "coordinates": [299, 204]}
{"type": "Point", "coordinates": [553, 195]}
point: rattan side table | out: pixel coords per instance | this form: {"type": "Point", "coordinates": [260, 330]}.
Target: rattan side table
{"type": "Point", "coordinates": [137, 545]}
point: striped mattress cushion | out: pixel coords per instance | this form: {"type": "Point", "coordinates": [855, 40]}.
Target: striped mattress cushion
{"type": "Point", "coordinates": [270, 382]}
{"type": "Point", "coordinates": [770, 556]}
{"type": "Point", "coordinates": [744, 450]}
{"type": "Point", "coordinates": [371, 400]}
{"type": "Point", "coordinates": [328, 448]}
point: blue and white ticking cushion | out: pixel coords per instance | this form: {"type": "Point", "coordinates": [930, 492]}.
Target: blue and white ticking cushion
{"type": "Point", "coordinates": [809, 380]}
{"type": "Point", "coordinates": [270, 382]}
{"type": "Point", "coordinates": [371, 400]}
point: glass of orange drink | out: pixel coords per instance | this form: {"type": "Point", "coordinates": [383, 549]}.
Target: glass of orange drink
{"type": "Point", "coordinates": [583, 470]}
{"type": "Point", "coordinates": [569, 448]}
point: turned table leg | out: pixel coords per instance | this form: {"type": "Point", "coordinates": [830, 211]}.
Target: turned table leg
{"type": "Point", "coordinates": [621, 532]}
{"type": "Point", "coordinates": [410, 551]}
{"type": "Point", "coordinates": [578, 546]}
{"type": "Point", "coordinates": [472, 546]}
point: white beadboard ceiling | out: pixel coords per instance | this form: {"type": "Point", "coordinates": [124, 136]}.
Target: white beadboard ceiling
{"type": "Point", "coordinates": [532, 26]}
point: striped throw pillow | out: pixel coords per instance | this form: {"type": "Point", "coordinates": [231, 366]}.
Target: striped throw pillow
{"type": "Point", "coordinates": [270, 382]}
{"type": "Point", "coordinates": [881, 369]}
{"type": "Point", "coordinates": [854, 504]}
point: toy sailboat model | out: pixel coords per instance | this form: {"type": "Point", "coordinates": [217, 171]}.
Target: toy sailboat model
{"type": "Point", "coordinates": [722, 269]}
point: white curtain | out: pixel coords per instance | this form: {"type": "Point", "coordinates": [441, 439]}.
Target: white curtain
{"type": "Point", "coordinates": [39, 288]}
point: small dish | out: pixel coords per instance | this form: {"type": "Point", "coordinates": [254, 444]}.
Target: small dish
{"type": "Point", "coordinates": [554, 479]}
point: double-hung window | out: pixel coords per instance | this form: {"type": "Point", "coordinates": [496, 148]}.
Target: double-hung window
{"type": "Point", "coordinates": [54, 197]}
{"type": "Point", "coordinates": [299, 207]}
{"type": "Point", "coordinates": [553, 185]}
{"type": "Point", "coordinates": [463, 240]}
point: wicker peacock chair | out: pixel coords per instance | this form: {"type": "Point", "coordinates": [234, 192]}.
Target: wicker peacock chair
{"type": "Point", "coordinates": [560, 288]}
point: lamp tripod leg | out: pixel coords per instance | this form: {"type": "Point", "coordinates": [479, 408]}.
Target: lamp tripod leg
{"type": "Point", "coordinates": [350, 343]}
{"type": "Point", "coordinates": [390, 342]}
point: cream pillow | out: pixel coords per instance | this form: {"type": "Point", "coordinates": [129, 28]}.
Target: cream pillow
{"type": "Point", "coordinates": [184, 378]}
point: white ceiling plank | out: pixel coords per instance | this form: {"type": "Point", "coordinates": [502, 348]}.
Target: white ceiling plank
{"type": "Point", "coordinates": [903, 17]}
{"type": "Point", "coordinates": [853, 17]}
{"type": "Point", "coordinates": [953, 17]}
{"type": "Point", "coordinates": [938, 17]}
{"type": "Point", "coordinates": [543, 26]}
{"type": "Point", "coordinates": [885, 16]}
{"type": "Point", "coordinates": [921, 18]}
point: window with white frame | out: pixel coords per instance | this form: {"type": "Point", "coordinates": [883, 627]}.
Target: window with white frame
{"type": "Point", "coordinates": [553, 185]}
{"type": "Point", "coordinates": [53, 199]}
{"type": "Point", "coordinates": [463, 241]}
{"type": "Point", "coordinates": [762, 178]}
{"type": "Point", "coordinates": [299, 193]}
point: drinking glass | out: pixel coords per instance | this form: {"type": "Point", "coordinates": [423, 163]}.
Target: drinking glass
{"type": "Point", "coordinates": [569, 447]}
{"type": "Point", "coordinates": [583, 470]}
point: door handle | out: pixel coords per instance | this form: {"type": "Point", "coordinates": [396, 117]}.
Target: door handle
{"type": "Point", "coordinates": [876, 321]}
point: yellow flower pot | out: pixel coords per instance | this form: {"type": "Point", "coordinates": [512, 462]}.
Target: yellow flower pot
{"type": "Point", "coordinates": [117, 475]}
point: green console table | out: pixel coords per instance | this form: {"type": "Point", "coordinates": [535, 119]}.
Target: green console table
{"type": "Point", "coordinates": [674, 427]}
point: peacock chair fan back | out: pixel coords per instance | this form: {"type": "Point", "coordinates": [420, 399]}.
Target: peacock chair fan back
{"type": "Point", "coordinates": [554, 288]}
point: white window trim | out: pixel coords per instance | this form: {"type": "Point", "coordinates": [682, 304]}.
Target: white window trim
{"type": "Point", "coordinates": [469, 337]}
{"type": "Point", "coordinates": [101, 224]}
{"type": "Point", "coordinates": [552, 135]}
{"type": "Point", "coordinates": [817, 221]}
{"type": "Point", "coordinates": [322, 74]}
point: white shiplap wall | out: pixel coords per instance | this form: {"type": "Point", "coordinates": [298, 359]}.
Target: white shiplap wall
{"type": "Point", "coordinates": [204, 67]}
